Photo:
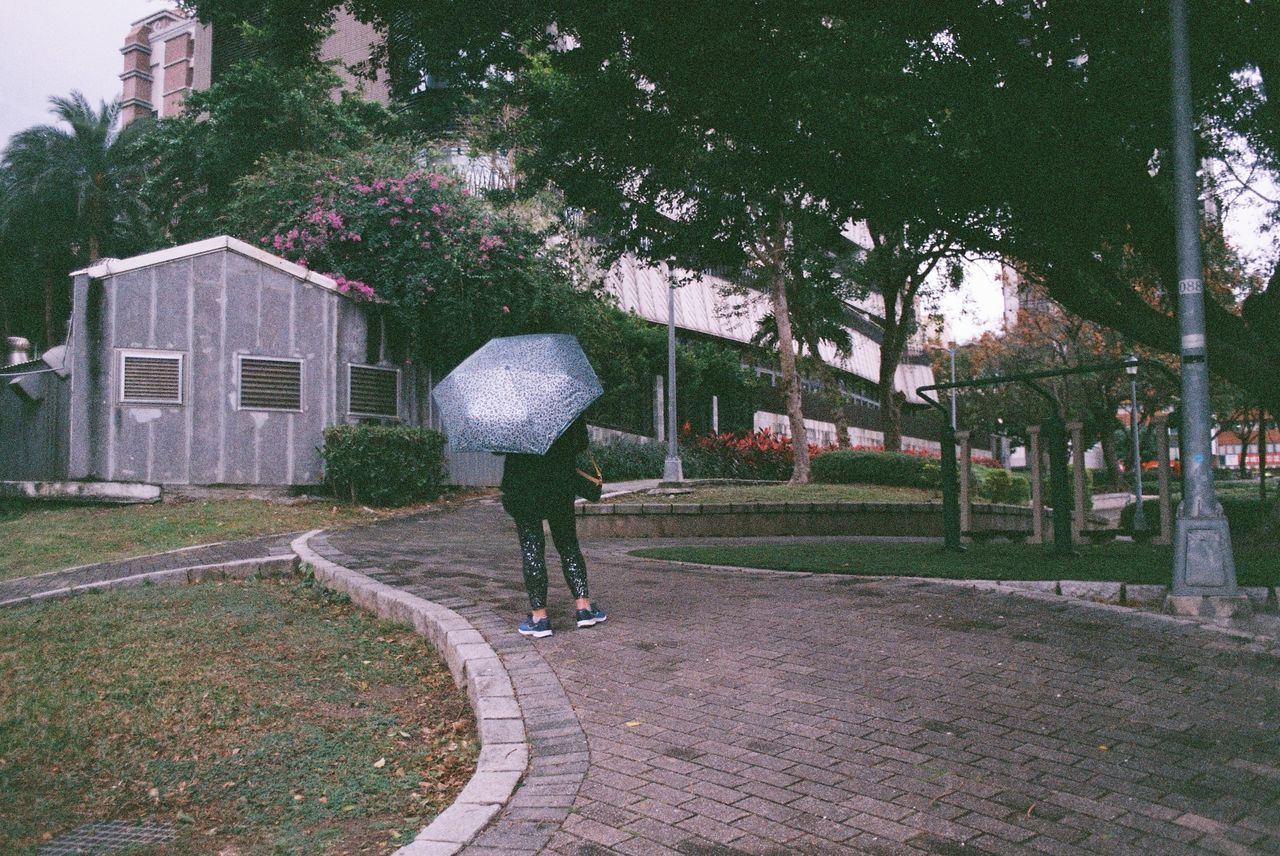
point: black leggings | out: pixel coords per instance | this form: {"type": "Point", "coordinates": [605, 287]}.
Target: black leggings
{"type": "Point", "coordinates": [533, 548]}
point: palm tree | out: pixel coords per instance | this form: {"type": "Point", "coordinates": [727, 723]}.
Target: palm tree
{"type": "Point", "coordinates": [67, 194]}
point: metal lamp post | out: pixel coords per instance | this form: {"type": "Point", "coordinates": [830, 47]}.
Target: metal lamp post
{"type": "Point", "coordinates": [673, 469]}
{"type": "Point", "coordinates": [1203, 566]}
{"type": "Point", "coordinates": [951, 349]}
{"type": "Point", "coordinates": [1139, 516]}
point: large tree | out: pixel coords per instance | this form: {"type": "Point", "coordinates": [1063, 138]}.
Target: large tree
{"type": "Point", "coordinates": [261, 107]}
{"type": "Point", "coordinates": [68, 196]}
{"type": "Point", "coordinates": [1075, 107]}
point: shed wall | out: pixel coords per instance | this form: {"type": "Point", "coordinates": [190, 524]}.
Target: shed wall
{"type": "Point", "coordinates": [34, 432]}
{"type": "Point", "coordinates": [213, 309]}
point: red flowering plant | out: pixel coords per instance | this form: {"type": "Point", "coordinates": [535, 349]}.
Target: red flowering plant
{"type": "Point", "coordinates": [757, 455]}
{"type": "Point", "coordinates": [453, 271]}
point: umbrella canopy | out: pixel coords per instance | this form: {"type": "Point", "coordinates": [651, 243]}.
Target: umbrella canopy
{"type": "Point", "coordinates": [516, 394]}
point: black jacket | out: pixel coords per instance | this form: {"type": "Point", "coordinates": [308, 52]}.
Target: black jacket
{"type": "Point", "coordinates": [537, 485]}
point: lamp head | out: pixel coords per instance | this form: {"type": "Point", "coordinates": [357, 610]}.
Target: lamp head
{"type": "Point", "coordinates": [1131, 365]}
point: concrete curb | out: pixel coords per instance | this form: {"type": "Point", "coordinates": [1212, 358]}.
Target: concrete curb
{"type": "Point", "coordinates": [504, 751]}
{"type": "Point", "coordinates": [240, 569]}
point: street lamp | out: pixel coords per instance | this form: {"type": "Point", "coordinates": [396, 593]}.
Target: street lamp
{"type": "Point", "coordinates": [673, 470]}
{"type": "Point", "coordinates": [951, 349]}
{"type": "Point", "coordinates": [1202, 562]}
{"type": "Point", "coordinates": [1139, 517]}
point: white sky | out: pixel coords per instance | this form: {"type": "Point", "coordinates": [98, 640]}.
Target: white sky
{"type": "Point", "coordinates": [50, 47]}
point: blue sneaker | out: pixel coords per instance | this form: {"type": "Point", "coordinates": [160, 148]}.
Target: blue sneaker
{"type": "Point", "coordinates": [537, 629]}
{"type": "Point", "coordinates": [591, 617]}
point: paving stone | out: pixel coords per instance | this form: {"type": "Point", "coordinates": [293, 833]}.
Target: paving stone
{"type": "Point", "coordinates": [882, 717]}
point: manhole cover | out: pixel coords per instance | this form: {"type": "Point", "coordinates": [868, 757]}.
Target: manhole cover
{"type": "Point", "coordinates": [108, 837]}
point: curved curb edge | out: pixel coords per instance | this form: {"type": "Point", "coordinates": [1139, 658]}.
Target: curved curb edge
{"type": "Point", "coordinates": [263, 566]}
{"type": "Point", "coordinates": [504, 751]}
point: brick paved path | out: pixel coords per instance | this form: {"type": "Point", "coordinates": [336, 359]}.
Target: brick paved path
{"type": "Point", "coordinates": [230, 551]}
{"type": "Point", "coordinates": [730, 713]}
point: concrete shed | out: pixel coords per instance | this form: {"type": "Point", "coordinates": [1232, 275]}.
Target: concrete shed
{"type": "Point", "coordinates": [213, 363]}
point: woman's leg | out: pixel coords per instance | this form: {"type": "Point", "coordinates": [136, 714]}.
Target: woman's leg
{"type": "Point", "coordinates": [533, 547]}
{"type": "Point", "coordinates": [564, 532]}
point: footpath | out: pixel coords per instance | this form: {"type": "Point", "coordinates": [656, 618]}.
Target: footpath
{"type": "Point", "coordinates": [726, 712]}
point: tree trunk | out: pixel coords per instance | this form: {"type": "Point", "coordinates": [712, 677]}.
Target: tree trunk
{"type": "Point", "coordinates": [1246, 433]}
{"type": "Point", "coordinates": [1262, 442]}
{"type": "Point", "coordinates": [842, 426]}
{"type": "Point", "coordinates": [787, 357]}
{"type": "Point", "coordinates": [891, 348]}
{"type": "Point", "coordinates": [1111, 459]}
{"type": "Point", "coordinates": [890, 354]}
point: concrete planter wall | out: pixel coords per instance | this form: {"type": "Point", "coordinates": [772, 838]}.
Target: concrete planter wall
{"type": "Point", "coordinates": [690, 520]}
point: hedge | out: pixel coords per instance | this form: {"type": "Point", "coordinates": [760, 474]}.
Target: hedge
{"type": "Point", "coordinates": [384, 465]}
{"type": "Point", "coordinates": [625, 460]}
{"type": "Point", "coordinates": [1244, 515]}
{"type": "Point", "coordinates": [904, 469]}
{"type": "Point", "coordinates": [897, 469]}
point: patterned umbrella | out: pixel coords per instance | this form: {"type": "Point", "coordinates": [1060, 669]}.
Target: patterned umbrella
{"type": "Point", "coordinates": [516, 394]}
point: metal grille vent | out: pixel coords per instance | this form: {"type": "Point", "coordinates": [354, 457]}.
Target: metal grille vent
{"type": "Point", "coordinates": [270, 384]}
{"type": "Point", "coordinates": [374, 391]}
{"type": "Point", "coordinates": [152, 379]}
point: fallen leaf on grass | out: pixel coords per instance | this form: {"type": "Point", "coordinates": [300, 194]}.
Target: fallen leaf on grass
{"type": "Point", "coordinates": [380, 763]}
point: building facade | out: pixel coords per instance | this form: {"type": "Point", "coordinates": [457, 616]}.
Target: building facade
{"type": "Point", "coordinates": [169, 54]}
{"type": "Point", "coordinates": [166, 55]}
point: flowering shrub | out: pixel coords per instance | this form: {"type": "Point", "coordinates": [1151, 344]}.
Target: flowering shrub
{"type": "Point", "coordinates": [450, 270]}
{"type": "Point", "coordinates": [757, 455]}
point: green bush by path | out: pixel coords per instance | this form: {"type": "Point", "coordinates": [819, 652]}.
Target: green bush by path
{"type": "Point", "coordinates": [384, 465]}
{"type": "Point", "coordinates": [1244, 514]}
{"type": "Point", "coordinates": [903, 469]}
{"type": "Point", "coordinates": [897, 469]}
{"type": "Point", "coordinates": [627, 460]}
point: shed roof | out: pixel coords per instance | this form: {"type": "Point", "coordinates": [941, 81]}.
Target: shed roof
{"type": "Point", "coordinates": [112, 267]}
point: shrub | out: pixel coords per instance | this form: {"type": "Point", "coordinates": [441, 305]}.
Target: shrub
{"type": "Point", "coordinates": [1244, 514]}
{"type": "Point", "coordinates": [999, 485]}
{"type": "Point", "coordinates": [624, 460]}
{"type": "Point", "coordinates": [759, 455]}
{"type": "Point", "coordinates": [383, 465]}
{"type": "Point", "coordinates": [863, 467]}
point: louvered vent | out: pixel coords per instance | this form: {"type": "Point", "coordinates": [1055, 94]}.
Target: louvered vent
{"type": "Point", "coordinates": [151, 379]}
{"type": "Point", "coordinates": [268, 384]}
{"type": "Point", "coordinates": [373, 391]}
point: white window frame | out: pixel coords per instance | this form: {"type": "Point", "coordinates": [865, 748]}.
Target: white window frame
{"type": "Point", "coordinates": [302, 383]}
{"type": "Point", "coordinates": [166, 355]}
{"type": "Point", "coordinates": [392, 369]}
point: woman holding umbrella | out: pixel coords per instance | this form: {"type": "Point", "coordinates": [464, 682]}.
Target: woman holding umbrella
{"type": "Point", "coordinates": [542, 487]}
{"type": "Point", "coordinates": [515, 396]}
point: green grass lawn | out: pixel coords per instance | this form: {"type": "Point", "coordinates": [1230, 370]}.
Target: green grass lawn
{"type": "Point", "coordinates": [1118, 562]}
{"type": "Point", "coordinates": [719, 494]}
{"type": "Point", "coordinates": [41, 536]}
{"type": "Point", "coordinates": [259, 717]}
